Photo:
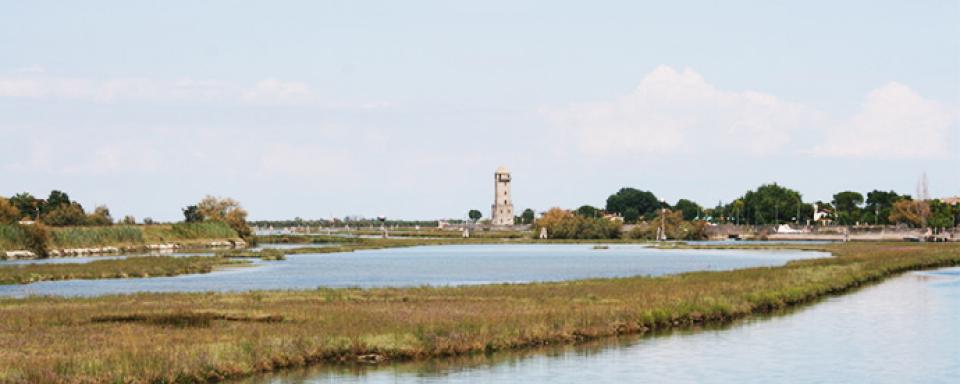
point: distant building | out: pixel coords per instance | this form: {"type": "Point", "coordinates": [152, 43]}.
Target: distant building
{"type": "Point", "coordinates": [502, 207]}
{"type": "Point", "coordinates": [951, 200]}
{"type": "Point", "coordinates": [822, 215]}
{"type": "Point", "coordinates": [615, 217]}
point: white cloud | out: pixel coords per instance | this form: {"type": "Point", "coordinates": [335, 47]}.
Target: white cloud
{"type": "Point", "coordinates": [679, 112]}
{"type": "Point", "coordinates": [893, 122]}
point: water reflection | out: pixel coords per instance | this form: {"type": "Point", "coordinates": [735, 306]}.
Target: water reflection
{"type": "Point", "coordinates": [903, 330]}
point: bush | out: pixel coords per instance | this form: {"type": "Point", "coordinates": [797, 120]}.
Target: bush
{"type": "Point", "coordinates": [65, 215]}
{"type": "Point", "coordinates": [562, 224]}
{"type": "Point", "coordinates": [32, 237]}
{"type": "Point", "coordinates": [674, 226]}
{"type": "Point", "coordinates": [8, 213]}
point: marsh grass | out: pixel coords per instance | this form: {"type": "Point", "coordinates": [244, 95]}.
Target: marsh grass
{"type": "Point", "coordinates": [79, 237]}
{"type": "Point", "coordinates": [265, 254]}
{"type": "Point", "coordinates": [144, 266]}
{"type": "Point", "coordinates": [14, 237]}
{"type": "Point", "coordinates": [60, 340]}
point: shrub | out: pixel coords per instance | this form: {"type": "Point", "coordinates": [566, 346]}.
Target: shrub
{"type": "Point", "coordinates": [8, 213]}
{"type": "Point", "coordinates": [563, 224]}
{"type": "Point", "coordinates": [33, 237]}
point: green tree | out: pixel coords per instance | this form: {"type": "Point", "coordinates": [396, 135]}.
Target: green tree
{"type": "Point", "coordinates": [879, 204]}
{"type": "Point", "coordinates": [527, 216]}
{"type": "Point", "coordinates": [643, 203]}
{"type": "Point", "coordinates": [26, 204]}
{"type": "Point", "coordinates": [942, 215]}
{"type": "Point", "coordinates": [847, 204]}
{"type": "Point", "coordinates": [474, 214]}
{"type": "Point", "coordinates": [66, 215]}
{"type": "Point", "coordinates": [56, 200]}
{"type": "Point", "coordinates": [129, 220]}
{"type": "Point", "coordinates": [588, 211]}
{"type": "Point", "coordinates": [770, 204]}
{"type": "Point", "coordinates": [689, 209]}
{"type": "Point", "coordinates": [191, 214]}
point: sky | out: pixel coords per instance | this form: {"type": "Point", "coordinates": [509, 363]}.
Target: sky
{"type": "Point", "coordinates": [323, 109]}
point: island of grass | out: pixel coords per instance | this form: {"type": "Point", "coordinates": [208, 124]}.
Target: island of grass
{"type": "Point", "coordinates": [207, 337]}
{"type": "Point", "coordinates": [130, 267]}
{"type": "Point", "coordinates": [41, 240]}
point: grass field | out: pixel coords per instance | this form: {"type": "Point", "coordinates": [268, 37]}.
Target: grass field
{"type": "Point", "coordinates": [201, 337]}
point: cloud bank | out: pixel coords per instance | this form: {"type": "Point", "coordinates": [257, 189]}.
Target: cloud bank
{"type": "Point", "coordinates": [679, 112]}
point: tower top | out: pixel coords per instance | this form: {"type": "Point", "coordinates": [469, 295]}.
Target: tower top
{"type": "Point", "coordinates": [502, 169]}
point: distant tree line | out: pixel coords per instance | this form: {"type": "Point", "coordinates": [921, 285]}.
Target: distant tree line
{"type": "Point", "coordinates": [768, 204]}
{"type": "Point", "coordinates": [56, 210]}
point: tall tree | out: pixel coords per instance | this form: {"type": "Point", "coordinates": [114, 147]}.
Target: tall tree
{"type": "Point", "coordinates": [689, 209]}
{"type": "Point", "coordinates": [879, 204]}
{"type": "Point", "coordinates": [632, 203]}
{"type": "Point", "coordinates": [26, 204]}
{"type": "Point", "coordinates": [527, 216]}
{"type": "Point", "coordinates": [191, 214]}
{"type": "Point", "coordinates": [911, 212]}
{"type": "Point", "coordinates": [588, 211]}
{"type": "Point", "coordinates": [847, 204]}
{"type": "Point", "coordinates": [54, 201]}
{"type": "Point", "coordinates": [474, 214]}
{"type": "Point", "coordinates": [770, 204]}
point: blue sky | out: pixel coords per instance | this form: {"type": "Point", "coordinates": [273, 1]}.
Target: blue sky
{"type": "Point", "coordinates": [321, 108]}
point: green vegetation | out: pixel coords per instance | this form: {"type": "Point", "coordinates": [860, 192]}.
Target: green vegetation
{"type": "Point", "coordinates": [144, 266]}
{"type": "Point", "coordinates": [527, 216]}
{"type": "Point", "coordinates": [562, 224]}
{"type": "Point", "coordinates": [203, 337]}
{"type": "Point", "coordinates": [265, 254]}
{"type": "Point", "coordinates": [39, 238]}
{"type": "Point", "coordinates": [633, 204]}
{"type": "Point", "coordinates": [474, 215]}
{"type": "Point", "coordinates": [673, 225]}
{"type": "Point", "coordinates": [219, 209]}
{"type": "Point", "coordinates": [56, 210]}
{"type": "Point", "coordinates": [34, 238]}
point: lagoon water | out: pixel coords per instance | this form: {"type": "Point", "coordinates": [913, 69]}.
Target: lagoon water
{"type": "Point", "coordinates": [431, 265]}
{"type": "Point", "coordinates": [905, 330]}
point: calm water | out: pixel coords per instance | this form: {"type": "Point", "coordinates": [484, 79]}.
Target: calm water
{"type": "Point", "coordinates": [432, 265]}
{"type": "Point", "coordinates": [905, 330]}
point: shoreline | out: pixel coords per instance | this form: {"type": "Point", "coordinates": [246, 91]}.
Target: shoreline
{"type": "Point", "coordinates": [113, 250]}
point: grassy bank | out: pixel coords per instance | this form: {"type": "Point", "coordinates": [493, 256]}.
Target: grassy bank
{"type": "Point", "coordinates": [210, 336]}
{"type": "Point", "coordinates": [12, 236]}
{"type": "Point", "coordinates": [146, 266]}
